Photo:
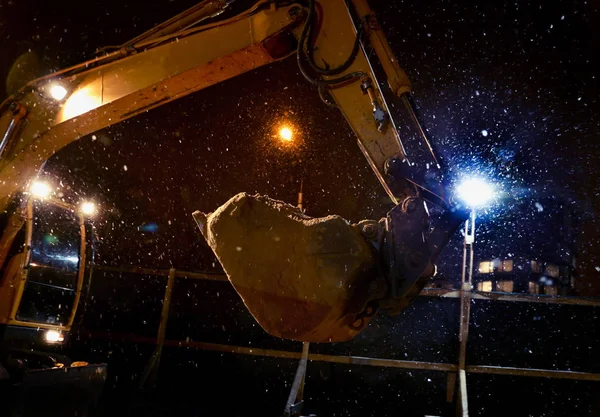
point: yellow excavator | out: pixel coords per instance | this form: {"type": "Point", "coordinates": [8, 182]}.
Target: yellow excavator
{"type": "Point", "coordinates": [316, 280]}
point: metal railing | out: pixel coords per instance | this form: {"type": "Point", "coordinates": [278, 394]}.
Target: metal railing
{"type": "Point", "coordinates": [455, 371]}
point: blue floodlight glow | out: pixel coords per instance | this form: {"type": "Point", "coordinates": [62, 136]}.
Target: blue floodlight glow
{"type": "Point", "coordinates": [475, 192]}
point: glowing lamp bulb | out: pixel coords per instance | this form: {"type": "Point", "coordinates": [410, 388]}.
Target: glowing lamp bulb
{"type": "Point", "coordinates": [285, 134]}
{"type": "Point", "coordinates": [58, 92]}
{"type": "Point", "coordinates": [40, 189]}
{"type": "Point", "coordinates": [475, 192]}
{"type": "Point", "coordinates": [54, 336]}
{"type": "Point", "coordinates": [80, 102]}
{"type": "Point", "coordinates": [88, 208]}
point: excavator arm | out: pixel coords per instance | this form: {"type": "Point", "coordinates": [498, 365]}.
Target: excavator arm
{"type": "Point", "coordinates": [332, 41]}
{"type": "Point", "coordinates": [170, 62]}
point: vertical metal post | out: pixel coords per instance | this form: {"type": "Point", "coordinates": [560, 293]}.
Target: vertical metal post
{"type": "Point", "coordinates": [153, 363]}
{"type": "Point", "coordinates": [471, 249]}
{"type": "Point", "coordinates": [450, 386]}
{"type": "Point", "coordinates": [295, 402]}
{"type": "Point", "coordinates": [464, 264]}
{"type": "Point", "coordinates": [164, 315]}
{"type": "Point", "coordinates": [81, 272]}
{"type": "Point", "coordinates": [301, 195]}
{"type": "Point", "coordinates": [465, 302]}
{"type": "Point", "coordinates": [464, 403]}
{"type": "Point", "coordinates": [305, 347]}
{"type": "Point", "coordinates": [465, 312]}
{"type": "Point", "coordinates": [22, 281]}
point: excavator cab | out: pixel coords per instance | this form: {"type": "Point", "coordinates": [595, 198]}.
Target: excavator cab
{"type": "Point", "coordinates": [44, 267]}
{"type": "Point", "coordinates": [51, 285]}
{"type": "Point", "coordinates": [44, 247]}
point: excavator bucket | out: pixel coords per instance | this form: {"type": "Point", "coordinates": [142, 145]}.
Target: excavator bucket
{"type": "Point", "coordinates": [302, 278]}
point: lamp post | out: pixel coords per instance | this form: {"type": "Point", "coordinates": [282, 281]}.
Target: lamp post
{"type": "Point", "coordinates": [43, 191]}
{"type": "Point", "coordinates": [473, 192]}
{"type": "Point", "coordinates": [88, 208]}
{"type": "Point", "coordinates": [300, 194]}
{"type": "Point", "coordinates": [469, 240]}
{"type": "Point", "coordinates": [286, 135]}
{"type": "Point", "coordinates": [40, 190]}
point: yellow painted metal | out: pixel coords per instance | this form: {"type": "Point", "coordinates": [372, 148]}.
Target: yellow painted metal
{"type": "Point", "coordinates": [118, 86]}
{"type": "Point", "coordinates": [22, 277]}
{"type": "Point", "coordinates": [9, 285]}
{"type": "Point", "coordinates": [82, 271]}
{"type": "Point", "coordinates": [109, 89]}
{"type": "Point", "coordinates": [396, 77]}
{"type": "Point", "coordinates": [123, 87]}
{"type": "Point", "coordinates": [11, 277]}
{"type": "Point", "coordinates": [333, 45]}
{"type": "Point", "coordinates": [203, 10]}
{"type": "Point", "coordinates": [14, 224]}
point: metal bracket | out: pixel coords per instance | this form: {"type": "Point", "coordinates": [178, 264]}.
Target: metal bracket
{"type": "Point", "coordinates": [410, 249]}
{"type": "Point", "coordinates": [379, 114]}
{"type": "Point", "coordinates": [406, 252]}
{"type": "Point", "coordinates": [19, 112]}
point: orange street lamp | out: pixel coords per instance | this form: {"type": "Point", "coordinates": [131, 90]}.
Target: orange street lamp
{"type": "Point", "coordinates": [286, 134]}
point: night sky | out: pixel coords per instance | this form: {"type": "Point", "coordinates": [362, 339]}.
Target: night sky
{"type": "Point", "coordinates": [507, 90]}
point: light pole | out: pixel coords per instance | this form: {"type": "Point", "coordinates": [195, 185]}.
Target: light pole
{"type": "Point", "coordinates": [286, 135]}
{"type": "Point", "coordinates": [40, 190]}
{"type": "Point", "coordinates": [43, 191]}
{"type": "Point", "coordinates": [469, 240]}
{"type": "Point", "coordinates": [88, 208]}
{"type": "Point", "coordinates": [300, 194]}
{"type": "Point", "coordinates": [473, 192]}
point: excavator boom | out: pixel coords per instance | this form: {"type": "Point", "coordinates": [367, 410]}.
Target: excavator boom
{"type": "Point", "coordinates": [164, 65]}
{"type": "Point", "coordinates": [332, 41]}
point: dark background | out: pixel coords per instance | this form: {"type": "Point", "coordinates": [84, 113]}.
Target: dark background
{"type": "Point", "coordinates": [507, 90]}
